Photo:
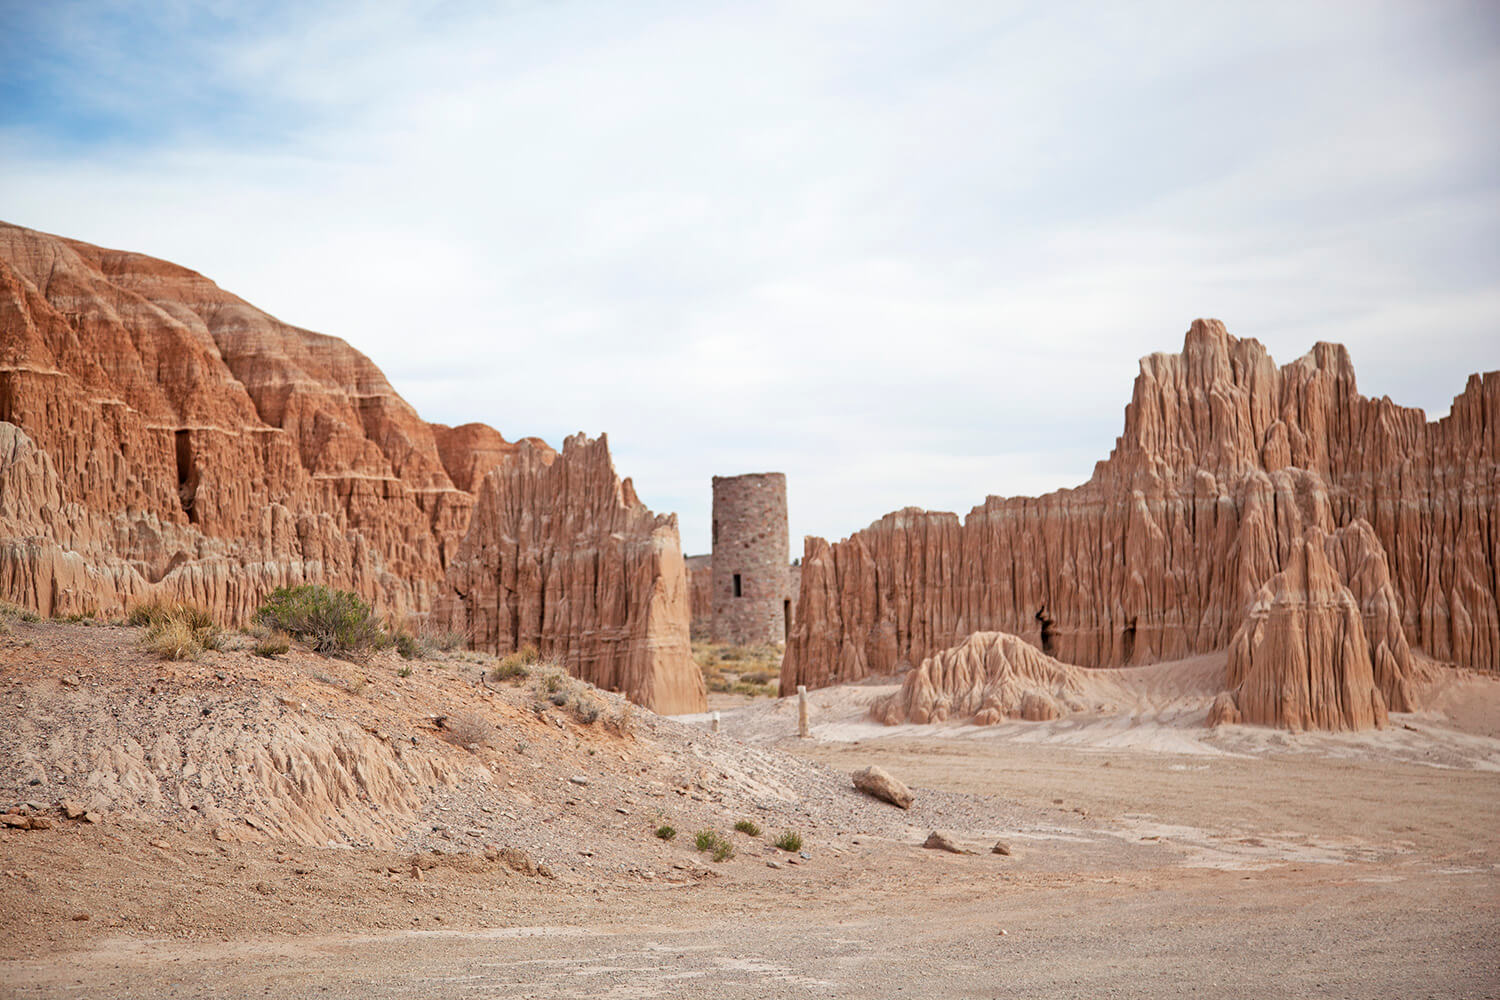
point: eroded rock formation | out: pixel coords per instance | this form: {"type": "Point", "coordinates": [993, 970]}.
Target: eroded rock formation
{"type": "Point", "coordinates": [1321, 646]}
{"type": "Point", "coordinates": [988, 677]}
{"type": "Point", "coordinates": [1225, 461]}
{"type": "Point", "coordinates": [161, 437]}
{"type": "Point", "coordinates": [561, 555]}
{"type": "Point", "coordinates": [1301, 659]}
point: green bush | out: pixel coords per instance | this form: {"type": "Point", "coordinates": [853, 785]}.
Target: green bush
{"type": "Point", "coordinates": [407, 646]}
{"type": "Point", "coordinates": [335, 622]}
{"type": "Point", "coordinates": [666, 832]}
{"type": "Point", "coordinates": [790, 841]}
{"type": "Point", "coordinates": [705, 839]}
{"type": "Point", "coordinates": [723, 850]}
{"type": "Point", "coordinates": [748, 827]}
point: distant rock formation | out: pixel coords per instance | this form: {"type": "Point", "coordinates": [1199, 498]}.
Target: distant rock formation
{"type": "Point", "coordinates": [1315, 653]}
{"type": "Point", "coordinates": [161, 437]}
{"type": "Point", "coordinates": [1224, 462]}
{"type": "Point", "coordinates": [561, 555]}
{"type": "Point", "coordinates": [988, 677]}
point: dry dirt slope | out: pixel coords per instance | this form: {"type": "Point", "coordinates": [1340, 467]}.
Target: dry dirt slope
{"type": "Point", "coordinates": [489, 872]}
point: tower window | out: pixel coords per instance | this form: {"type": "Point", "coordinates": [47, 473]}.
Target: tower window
{"type": "Point", "coordinates": [737, 585]}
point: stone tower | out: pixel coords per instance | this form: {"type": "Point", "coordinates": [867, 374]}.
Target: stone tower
{"type": "Point", "coordinates": [751, 594]}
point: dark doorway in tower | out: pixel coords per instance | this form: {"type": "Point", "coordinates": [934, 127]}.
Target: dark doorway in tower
{"type": "Point", "coordinates": [736, 585]}
{"type": "Point", "coordinates": [1048, 631]}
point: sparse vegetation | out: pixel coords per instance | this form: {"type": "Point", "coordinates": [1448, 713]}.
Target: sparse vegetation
{"type": "Point", "coordinates": [666, 832]}
{"type": "Point", "coordinates": [334, 622]}
{"type": "Point", "coordinates": [715, 843]}
{"type": "Point", "coordinates": [407, 646]}
{"type": "Point", "coordinates": [404, 672]}
{"type": "Point", "coordinates": [516, 665]}
{"type": "Point", "coordinates": [10, 614]}
{"type": "Point", "coordinates": [272, 644]}
{"type": "Point", "coordinates": [789, 841]}
{"type": "Point", "coordinates": [748, 827]}
{"type": "Point", "coordinates": [176, 631]}
{"type": "Point", "coordinates": [753, 671]}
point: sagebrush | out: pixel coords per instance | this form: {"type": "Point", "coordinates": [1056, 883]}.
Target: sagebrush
{"type": "Point", "coordinates": [329, 621]}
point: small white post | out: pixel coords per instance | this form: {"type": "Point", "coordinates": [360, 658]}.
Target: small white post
{"type": "Point", "coordinates": [802, 729]}
{"type": "Point", "coordinates": [714, 724]}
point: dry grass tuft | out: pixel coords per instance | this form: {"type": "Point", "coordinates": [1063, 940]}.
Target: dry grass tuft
{"type": "Point", "coordinates": [176, 631]}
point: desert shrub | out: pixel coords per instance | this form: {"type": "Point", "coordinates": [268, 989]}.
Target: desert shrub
{"type": "Point", "coordinates": [408, 646]}
{"type": "Point", "coordinates": [468, 728]}
{"type": "Point", "coordinates": [446, 640]}
{"type": "Point", "coordinates": [151, 612]}
{"type": "Point", "coordinates": [404, 672]}
{"type": "Point", "coordinates": [666, 832]}
{"type": "Point", "coordinates": [705, 840]}
{"type": "Point", "coordinates": [621, 720]}
{"type": "Point", "coordinates": [273, 643]}
{"type": "Point", "coordinates": [12, 613]}
{"type": "Point", "coordinates": [723, 850]}
{"type": "Point", "coordinates": [790, 841]}
{"type": "Point", "coordinates": [509, 669]}
{"type": "Point", "coordinates": [748, 827]}
{"type": "Point", "coordinates": [177, 631]}
{"type": "Point", "coordinates": [559, 699]}
{"type": "Point", "coordinates": [329, 621]}
{"type": "Point", "coordinates": [586, 709]}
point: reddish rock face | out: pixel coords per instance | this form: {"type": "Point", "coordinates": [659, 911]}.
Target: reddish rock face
{"type": "Point", "coordinates": [161, 437]}
{"type": "Point", "coordinates": [1224, 462]}
{"type": "Point", "coordinates": [561, 555]}
{"type": "Point", "coordinates": [1321, 646]}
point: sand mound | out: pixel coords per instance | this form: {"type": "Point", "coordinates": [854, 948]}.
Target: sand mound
{"type": "Point", "coordinates": [988, 677]}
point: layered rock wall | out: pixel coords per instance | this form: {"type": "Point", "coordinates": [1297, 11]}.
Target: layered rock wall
{"type": "Point", "coordinates": [163, 438]}
{"type": "Point", "coordinates": [1224, 461]}
{"type": "Point", "coordinates": [561, 555]}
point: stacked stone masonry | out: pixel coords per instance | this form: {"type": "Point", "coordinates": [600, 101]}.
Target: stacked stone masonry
{"type": "Point", "coordinates": [751, 597]}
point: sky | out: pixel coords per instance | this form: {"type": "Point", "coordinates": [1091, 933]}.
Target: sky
{"type": "Point", "coordinates": [907, 254]}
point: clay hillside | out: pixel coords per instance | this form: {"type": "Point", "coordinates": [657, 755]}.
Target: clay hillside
{"type": "Point", "coordinates": [161, 438]}
{"type": "Point", "coordinates": [1319, 536]}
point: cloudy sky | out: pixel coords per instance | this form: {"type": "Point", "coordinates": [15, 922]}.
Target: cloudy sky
{"type": "Point", "coordinates": [905, 253]}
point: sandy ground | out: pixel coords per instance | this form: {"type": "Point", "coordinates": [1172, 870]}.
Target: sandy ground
{"type": "Point", "coordinates": [1149, 858]}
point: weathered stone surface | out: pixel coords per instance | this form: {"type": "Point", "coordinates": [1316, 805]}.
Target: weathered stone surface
{"type": "Point", "coordinates": [1302, 659]}
{"type": "Point", "coordinates": [940, 841]}
{"type": "Point", "coordinates": [882, 785]}
{"type": "Point", "coordinates": [160, 437]}
{"type": "Point", "coordinates": [561, 555]}
{"type": "Point", "coordinates": [751, 603]}
{"type": "Point", "coordinates": [1224, 461]}
{"type": "Point", "coordinates": [988, 677]}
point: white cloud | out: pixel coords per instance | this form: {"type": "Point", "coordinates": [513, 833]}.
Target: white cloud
{"type": "Point", "coordinates": [906, 256]}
